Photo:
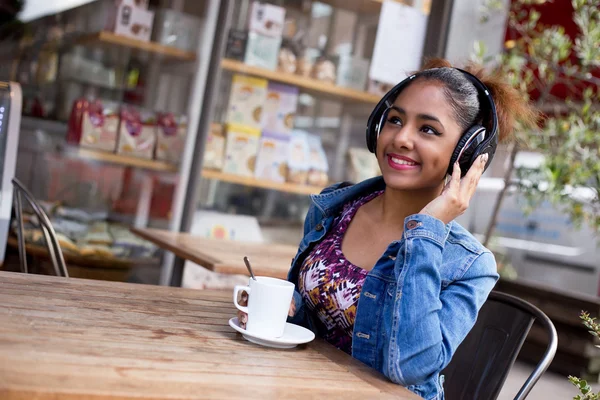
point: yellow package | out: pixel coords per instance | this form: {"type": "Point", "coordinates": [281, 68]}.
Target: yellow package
{"type": "Point", "coordinates": [241, 149]}
{"type": "Point", "coordinates": [246, 100]}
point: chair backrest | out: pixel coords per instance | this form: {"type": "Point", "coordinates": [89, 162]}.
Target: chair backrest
{"type": "Point", "coordinates": [483, 360]}
{"type": "Point", "coordinates": [20, 192]}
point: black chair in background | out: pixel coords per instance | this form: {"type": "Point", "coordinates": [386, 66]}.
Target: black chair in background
{"type": "Point", "coordinates": [482, 362]}
{"type": "Point", "coordinates": [20, 192]}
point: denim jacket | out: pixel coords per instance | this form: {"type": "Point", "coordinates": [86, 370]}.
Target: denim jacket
{"type": "Point", "coordinates": [420, 299]}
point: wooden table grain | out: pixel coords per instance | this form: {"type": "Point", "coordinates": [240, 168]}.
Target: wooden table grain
{"type": "Point", "coordinates": [224, 256]}
{"type": "Point", "coordinates": [66, 338]}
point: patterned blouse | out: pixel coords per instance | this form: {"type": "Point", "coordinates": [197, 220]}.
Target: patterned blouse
{"type": "Point", "coordinates": [330, 284]}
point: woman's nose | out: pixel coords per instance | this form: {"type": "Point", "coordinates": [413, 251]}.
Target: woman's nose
{"type": "Point", "coordinates": [404, 137]}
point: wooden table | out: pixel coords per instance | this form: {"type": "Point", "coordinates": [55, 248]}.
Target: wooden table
{"type": "Point", "coordinates": [67, 338]}
{"type": "Point", "coordinates": [224, 256]}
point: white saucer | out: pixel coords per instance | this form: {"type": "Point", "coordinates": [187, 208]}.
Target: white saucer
{"type": "Point", "coordinates": [293, 335]}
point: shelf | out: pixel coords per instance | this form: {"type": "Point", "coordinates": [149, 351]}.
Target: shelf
{"type": "Point", "coordinates": [263, 184]}
{"type": "Point", "coordinates": [311, 85]}
{"type": "Point", "coordinates": [112, 158]}
{"type": "Point", "coordinates": [149, 47]}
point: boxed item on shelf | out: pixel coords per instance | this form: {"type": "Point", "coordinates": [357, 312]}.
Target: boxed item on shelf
{"type": "Point", "coordinates": [137, 132]}
{"type": "Point", "coordinates": [133, 19]}
{"type": "Point", "coordinates": [246, 101]}
{"type": "Point", "coordinates": [363, 165]}
{"type": "Point", "coordinates": [318, 165]}
{"type": "Point", "coordinates": [236, 44]}
{"type": "Point", "coordinates": [272, 157]}
{"type": "Point", "coordinates": [324, 70]}
{"type": "Point", "coordinates": [298, 163]}
{"type": "Point", "coordinates": [240, 150]}
{"type": "Point", "coordinates": [267, 19]}
{"type": "Point", "coordinates": [262, 51]}
{"type": "Point", "coordinates": [170, 137]}
{"type": "Point", "coordinates": [215, 148]}
{"type": "Point", "coordinates": [176, 29]}
{"type": "Point", "coordinates": [94, 124]}
{"type": "Point", "coordinates": [280, 108]}
{"type": "Point", "coordinates": [352, 72]}
{"type": "Point", "coordinates": [286, 61]}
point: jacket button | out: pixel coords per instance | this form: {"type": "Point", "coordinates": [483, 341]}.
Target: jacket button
{"type": "Point", "coordinates": [319, 227]}
{"type": "Point", "coordinates": [412, 224]}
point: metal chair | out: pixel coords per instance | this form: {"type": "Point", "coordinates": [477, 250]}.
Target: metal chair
{"type": "Point", "coordinates": [54, 251]}
{"type": "Point", "coordinates": [482, 361]}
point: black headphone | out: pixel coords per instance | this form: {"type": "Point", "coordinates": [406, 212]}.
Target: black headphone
{"type": "Point", "coordinates": [477, 140]}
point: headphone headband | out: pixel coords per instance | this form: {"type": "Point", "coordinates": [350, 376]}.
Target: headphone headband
{"type": "Point", "coordinates": [479, 141]}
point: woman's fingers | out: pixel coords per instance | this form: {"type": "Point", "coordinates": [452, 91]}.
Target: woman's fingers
{"type": "Point", "coordinates": [471, 179]}
{"type": "Point", "coordinates": [454, 182]}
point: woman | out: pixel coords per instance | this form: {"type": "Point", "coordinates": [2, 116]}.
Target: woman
{"type": "Point", "coordinates": [383, 273]}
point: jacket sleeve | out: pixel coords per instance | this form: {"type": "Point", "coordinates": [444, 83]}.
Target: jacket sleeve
{"type": "Point", "coordinates": [429, 322]}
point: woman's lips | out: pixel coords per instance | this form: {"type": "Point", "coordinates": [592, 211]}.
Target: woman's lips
{"type": "Point", "coordinates": [401, 163]}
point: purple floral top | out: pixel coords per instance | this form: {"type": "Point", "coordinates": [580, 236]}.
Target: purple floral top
{"type": "Point", "coordinates": [330, 284]}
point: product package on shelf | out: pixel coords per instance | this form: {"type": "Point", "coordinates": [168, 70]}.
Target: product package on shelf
{"type": "Point", "coordinates": [94, 124]}
{"type": "Point", "coordinates": [265, 35]}
{"type": "Point", "coordinates": [272, 157]}
{"type": "Point", "coordinates": [176, 29]}
{"type": "Point", "coordinates": [137, 132]}
{"type": "Point", "coordinates": [240, 150]}
{"type": "Point", "coordinates": [267, 19]}
{"type": "Point", "coordinates": [319, 167]}
{"type": "Point", "coordinates": [246, 101]}
{"type": "Point", "coordinates": [215, 148]}
{"type": "Point", "coordinates": [352, 72]}
{"type": "Point", "coordinates": [170, 137]}
{"type": "Point", "coordinates": [298, 158]}
{"type": "Point", "coordinates": [133, 19]}
{"type": "Point", "coordinates": [363, 165]}
{"type": "Point", "coordinates": [280, 108]}
{"type": "Point", "coordinates": [236, 44]}
{"type": "Point", "coordinates": [262, 51]}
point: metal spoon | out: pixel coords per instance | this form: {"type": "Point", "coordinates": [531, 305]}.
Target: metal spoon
{"type": "Point", "coordinates": [247, 262]}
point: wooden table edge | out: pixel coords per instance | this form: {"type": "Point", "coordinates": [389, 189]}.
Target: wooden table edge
{"type": "Point", "coordinates": [207, 262]}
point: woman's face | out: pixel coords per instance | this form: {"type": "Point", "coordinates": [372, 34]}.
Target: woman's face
{"type": "Point", "coordinates": [417, 138]}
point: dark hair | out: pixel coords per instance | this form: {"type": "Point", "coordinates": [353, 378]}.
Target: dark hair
{"type": "Point", "coordinates": [462, 96]}
{"type": "Point", "coordinates": [459, 91]}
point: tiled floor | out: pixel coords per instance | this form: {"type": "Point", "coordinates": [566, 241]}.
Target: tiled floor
{"type": "Point", "coordinates": [551, 386]}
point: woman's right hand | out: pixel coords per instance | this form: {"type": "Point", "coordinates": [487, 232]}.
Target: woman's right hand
{"type": "Point", "coordinates": [243, 317]}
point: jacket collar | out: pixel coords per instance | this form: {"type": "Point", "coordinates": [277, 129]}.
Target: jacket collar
{"type": "Point", "coordinates": [330, 202]}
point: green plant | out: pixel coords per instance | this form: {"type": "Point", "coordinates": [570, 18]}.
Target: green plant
{"type": "Point", "coordinates": [539, 59]}
{"type": "Point", "coordinates": [585, 389]}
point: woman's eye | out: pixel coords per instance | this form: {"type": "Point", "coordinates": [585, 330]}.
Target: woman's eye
{"type": "Point", "coordinates": [394, 120]}
{"type": "Point", "coordinates": [430, 131]}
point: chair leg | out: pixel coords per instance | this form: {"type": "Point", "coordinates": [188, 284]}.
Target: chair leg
{"type": "Point", "coordinates": [20, 238]}
{"type": "Point", "coordinates": [51, 251]}
{"type": "Point", "coordinates": [60, 259]}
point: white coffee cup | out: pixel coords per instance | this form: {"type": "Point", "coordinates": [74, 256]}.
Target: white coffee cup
{"type": "Point", "coordinates": [269, 301]}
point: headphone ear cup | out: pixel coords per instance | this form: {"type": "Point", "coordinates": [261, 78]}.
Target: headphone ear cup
{"type": "Point", "coordinates": [372, 136]}
{"type": "Point", "coordinates": [376, 121]}
{"type": "Point", "coordinates": [466, 148]}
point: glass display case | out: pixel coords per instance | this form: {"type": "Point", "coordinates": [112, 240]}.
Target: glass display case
{"type": "Point", "coordinates": [108, 89]}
